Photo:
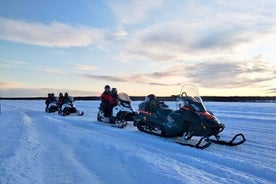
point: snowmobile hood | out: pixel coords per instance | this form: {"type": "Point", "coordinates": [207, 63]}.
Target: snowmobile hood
{"type": "Point", "coordinates": [207, 115]}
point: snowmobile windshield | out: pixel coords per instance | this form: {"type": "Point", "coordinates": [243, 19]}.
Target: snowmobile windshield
{"type": "Point", "coordinates": [71, 99]}
{"type": "Point", "coordinates": [123, 97]}
{"type": "Point", "coordinates": [189, 97]}
{"type": "Point", "coordinates": [193, 104]}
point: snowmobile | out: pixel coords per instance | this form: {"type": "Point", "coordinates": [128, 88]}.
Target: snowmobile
{"type": "Point", "coordinates": [121, 113]}
{"type": "Point", "coordinates": [69, 108]}
{"type": "Point", "coordinates": [190, 119]}
{"type": "Point", "coordinates": [52, 107]}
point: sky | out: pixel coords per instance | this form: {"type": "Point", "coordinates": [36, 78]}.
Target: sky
{"type": "Point", "coordinates": [226, 48]}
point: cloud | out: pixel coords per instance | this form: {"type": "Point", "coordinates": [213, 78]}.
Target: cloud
{"type": "Point", "coordinates": [210, 74]}
{"type": "Point", "coordinates": [131, 12]}
{"type": "Point", "coordinates": [54, 71]}
{"type": "Point", "coordinates": [78, 67]}
{"type": "Point", "coordinates": [42, 92]}
{"type": "Point", "coordinates": [55, 34]}
{"type": "Point", "coordinates": [162, 84]}
{"type": "Point", "coordinates": [272, 91]}
{"type": "Point", "coordinates": [198, 29]}
{"type": "Point", "coordinates": [8, 85]}
{"type": "Point", "coordinates": [146, 78]}
{"type": "Point", "coordinates": [227, 74]}
{"type": "Point", "coordinates": [10, 63]}
{"type": "Point", "coordinates": [85, 67]}
{"type": "Point", "coordinates": [172, 41]}
{"type": "Point", "coordinates": [107, 78]}
{"type": "Point", "coordinates": [16, 62]}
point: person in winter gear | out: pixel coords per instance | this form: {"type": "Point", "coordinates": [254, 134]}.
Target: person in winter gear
{"type": "Point", "coordinates": [105, 95]}
{"type": "Point", "coordinates": [60, 101]}
{"type": "Point", "coordinates": [47, 101]}
{"type": "Point", "coordinates": [113, 100]}
{"type": "Point", "coordinates": [105, 100]}
{"type": "Point", "coordinates": [151, 103]}
{"type": "Point", "coordinates": [50, 98]}
{"type": "Point", "coordinates": [67, 99]}
{"type": "Point", "coordinates": [51, 103]}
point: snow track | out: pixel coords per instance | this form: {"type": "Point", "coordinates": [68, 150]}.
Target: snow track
{"type": "Point", "coordinates": [37, 147]}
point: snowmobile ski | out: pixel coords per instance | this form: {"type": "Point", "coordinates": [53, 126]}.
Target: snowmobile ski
{"type": "Point", "coordinates": [202, 143]}
{"type": "Point", "coordinates": [77, 113]}
{"type": "Point", "coordinates": [81, 113]}
{"type": "Point", "coordinates": [231, 142]}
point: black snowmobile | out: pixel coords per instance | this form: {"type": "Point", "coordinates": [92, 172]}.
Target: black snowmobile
{"type": "Point", "coordinates": [121, 113]}
{"type": "Point", "coordinates": [68, 108]}
{"type": "Point", "coordinates": [191, 119]}
{"type": "Point", "coordinates": [52, 107]}
{"type": "Point", "coordinates": [51, 103]}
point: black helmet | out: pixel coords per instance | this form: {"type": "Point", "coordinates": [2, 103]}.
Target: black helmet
{"type": "Point", "coordinates": [106, 88]}
{"type": "Point", "coordinates": [150, 97]}
{"type": "Point", "coordinates": [114, 91]}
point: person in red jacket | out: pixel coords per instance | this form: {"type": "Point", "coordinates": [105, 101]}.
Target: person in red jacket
{"type": "Point", "coordinates": [105, 100]}
{"type": "Point", "coordinates": [113, 100]}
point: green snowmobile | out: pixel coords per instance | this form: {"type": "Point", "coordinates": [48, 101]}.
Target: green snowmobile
{"type": "Point", "coordinates": [190, 119]}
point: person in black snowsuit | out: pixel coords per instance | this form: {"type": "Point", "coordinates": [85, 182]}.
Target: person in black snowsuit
{"type": "Point", "coordinates": [67, 99]}
{"type": "Point", "coordinates": [47, 101]}
{"type": "Point", "coordinates": [50, 98]}
{"type": "Point", "coordinates": [151, 103]}
{"type": "Point", "coordinates": [60, 101]}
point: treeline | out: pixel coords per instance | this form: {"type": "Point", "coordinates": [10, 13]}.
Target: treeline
{"type": "Point", "coordinates": [270, 99]}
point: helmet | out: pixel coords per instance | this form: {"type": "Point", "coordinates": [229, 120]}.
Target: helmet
{"type": "Point", "coordinates": [65, 94]}
{"type": "Point", "coordinates": [150, 97]}
{"type": "Point", "coordinates": [114, 91]}
{"type": "Point", "coordinates": [106, 88]}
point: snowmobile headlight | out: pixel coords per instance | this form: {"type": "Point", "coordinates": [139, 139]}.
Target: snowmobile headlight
{"type": "Point", "coordinates": [218, 120]}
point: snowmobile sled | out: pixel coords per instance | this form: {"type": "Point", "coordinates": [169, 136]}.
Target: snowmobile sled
{"type": "Point", "coordinates": [52, 107]}
{"type": "Point", "coordinates": [190, 119]}
{"type": "Point", "coordinates": [69, 108]}
{"type": "Point", "coordinates": [121, 113]}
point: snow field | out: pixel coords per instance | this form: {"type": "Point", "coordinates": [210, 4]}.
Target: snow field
{"type": "Point", "coordinates": [37, 147]}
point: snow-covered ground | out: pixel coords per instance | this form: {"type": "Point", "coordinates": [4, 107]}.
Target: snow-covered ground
{"type": "Point", "coordinates": [37, 147]}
